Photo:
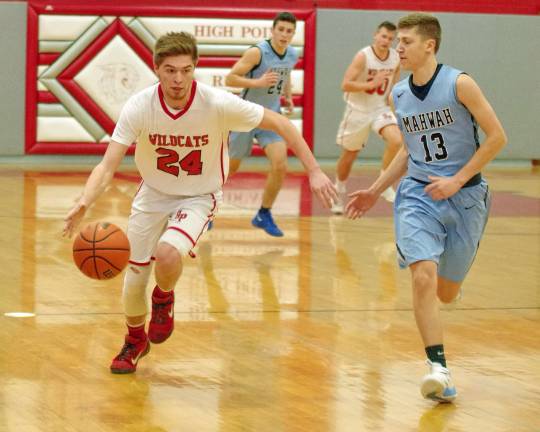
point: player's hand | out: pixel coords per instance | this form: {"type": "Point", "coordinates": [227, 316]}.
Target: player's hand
{"type": "Point", "coordinates": [268, 79]}
{"type": "Point", "coordinates": [442, 187]}
{"type": "Point", "coordinates": [379, 78]}
{"type": "Point", "coordinates": [289, 106]}
{"type": "Point", "coordinates": [73, 219]}
{"type": "Point", "coordinates": [361, 201]}
{"type": "Point", "coordinates": [322, 187]}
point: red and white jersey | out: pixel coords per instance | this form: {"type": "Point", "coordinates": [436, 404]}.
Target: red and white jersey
{"type": "Point", "coordinates": [184, 152]}
{"type": "Point", "coordinates": [372, 100]}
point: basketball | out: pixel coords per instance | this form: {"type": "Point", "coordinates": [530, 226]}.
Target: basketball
{"type": "Point", "coordinates": [101, 250]}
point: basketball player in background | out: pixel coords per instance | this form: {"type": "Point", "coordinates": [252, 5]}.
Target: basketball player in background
{"type": "Point", "coordinates": [264, 73]}
{"type": "Point", "coordinates": [366, 84]}
{"type": "Point", "coordinates": [181, 127]}
{"type": "Point", "coordinates": [442, 204]}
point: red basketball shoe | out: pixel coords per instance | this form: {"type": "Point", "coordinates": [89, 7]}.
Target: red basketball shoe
{"type": "Point", "coordinates": [162, 322]}
{"type": "Point", "coordinates": [132, 351]}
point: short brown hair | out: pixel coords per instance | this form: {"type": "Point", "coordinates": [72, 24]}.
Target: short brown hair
{"type": "Point", "coordinates": [284, 16]}
{"type": "Point", "coordinates": [388, 25]}
{"type": "Point", "coordinates": [426, 25]}
{"type": "Point", "coordinates": [173, 44]}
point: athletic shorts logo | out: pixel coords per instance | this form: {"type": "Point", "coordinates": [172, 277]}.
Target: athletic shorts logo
{"type": "Point", "coordinates": [180, 215]}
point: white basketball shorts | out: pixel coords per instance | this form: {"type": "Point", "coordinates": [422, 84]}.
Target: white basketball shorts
{"type": "Point", "coordinates": [177, 220]}
{"type": "Point", "coordinates": [354, 128]}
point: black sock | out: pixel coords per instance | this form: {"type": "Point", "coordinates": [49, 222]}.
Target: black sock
{"type": "Point", "coordinates": [436, 354]}
{"type": "Point", "coordinates": [264, 210]}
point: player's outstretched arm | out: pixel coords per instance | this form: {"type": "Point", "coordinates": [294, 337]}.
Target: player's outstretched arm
{"type": "Point", "coordinates": [320, 183]}
{"type": "Point", "coordinates": [363, 199]}
{"type": "Point", "coordinates": [98, 180]}
{"type": "Point", "coordinates": [470, 95]}
{"type": "Point", "coordinates": [249, 60]}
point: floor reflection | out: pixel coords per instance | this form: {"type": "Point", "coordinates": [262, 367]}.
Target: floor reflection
{"type": "Point", "coordinates": [310, 332]}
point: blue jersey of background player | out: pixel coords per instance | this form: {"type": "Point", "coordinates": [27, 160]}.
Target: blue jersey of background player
{"type": "Point", "coordinates": [442, 204]}
{"type": "Point", "coordinates": [264, 73]}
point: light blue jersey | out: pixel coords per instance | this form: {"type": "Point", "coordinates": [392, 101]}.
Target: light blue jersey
{"type": "Point", "coordinates": [440, 133]}
{"type": "Point", "coordinates": [269, 97]}
{"type": "Point", "coordinates": [441, 137]}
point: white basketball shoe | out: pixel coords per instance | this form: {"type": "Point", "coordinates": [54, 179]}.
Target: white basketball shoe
{"type": "Point", "coordinates": [437, 384]}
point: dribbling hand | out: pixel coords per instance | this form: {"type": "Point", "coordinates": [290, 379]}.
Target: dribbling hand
{"type": "Point", "coordinates": [361, 201]}
{"type": "Point", "coordinates": [73, 219]}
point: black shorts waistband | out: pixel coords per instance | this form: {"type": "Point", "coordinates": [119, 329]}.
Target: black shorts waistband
{"type": "Point", "coordinates": [475, 180]}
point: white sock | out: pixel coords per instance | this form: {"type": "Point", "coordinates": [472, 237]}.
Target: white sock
{"type": "Point", "coordinates": [341, 186]}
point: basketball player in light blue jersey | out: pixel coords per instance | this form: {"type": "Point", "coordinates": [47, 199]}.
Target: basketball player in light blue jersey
{"type": "Point", "coordinates": [442, 204]}
{"type": "Point", "coordinates": [264, 73]}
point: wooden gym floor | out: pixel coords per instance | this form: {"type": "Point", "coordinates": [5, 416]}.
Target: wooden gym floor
{"type": "Point", "coordinates": [310, 332]}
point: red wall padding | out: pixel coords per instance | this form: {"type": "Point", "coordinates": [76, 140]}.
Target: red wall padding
{"type": "Point", "coordinates": [524, 7]}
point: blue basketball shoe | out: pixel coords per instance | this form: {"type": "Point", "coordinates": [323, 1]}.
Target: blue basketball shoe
{"type": "Point", "coordinates": [264, 220]}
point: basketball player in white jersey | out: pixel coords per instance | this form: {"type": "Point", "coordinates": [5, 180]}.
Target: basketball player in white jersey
{"type": "Point", "coordinates": [181, 128]}
{"type": "Point", "coordinates": [367, 84]}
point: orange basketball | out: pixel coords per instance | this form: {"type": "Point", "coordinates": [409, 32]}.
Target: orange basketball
{"type": "Point", "coordinates": [101, 250]}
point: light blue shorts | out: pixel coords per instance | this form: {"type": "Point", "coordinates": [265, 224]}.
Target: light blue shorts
{"type": "Point", "coordinates": [240, 143]}
{"type": "Point", "coordinates": [447, 232]}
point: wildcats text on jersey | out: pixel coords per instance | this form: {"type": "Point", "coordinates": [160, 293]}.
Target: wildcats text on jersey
{"type": "Point", "coordinates": [178, 140]}
{"type": "Point", "coordinates": [427, 121]}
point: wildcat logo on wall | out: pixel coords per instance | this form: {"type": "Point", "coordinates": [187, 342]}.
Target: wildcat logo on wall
{"type": "Point", "coordinates": [118, 82]}
{"type": "Point", "coordinates": [83, 68]}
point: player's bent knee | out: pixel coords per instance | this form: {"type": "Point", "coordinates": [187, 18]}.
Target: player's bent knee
{"type": "Point", "coordinates": [424, 279]}
{"type": "Point", "coordinates": [134, 290]}
{"type": "Point", "coordinates": [349, 155]}
{"type": "Point", "coordinates": [446, 297]}
{"type": "Point", "coordinates": [447, 290]}
{"type": "Point", "coordinates": [170, 249]}
{"type": "Point", "coordinates": [172, 246]}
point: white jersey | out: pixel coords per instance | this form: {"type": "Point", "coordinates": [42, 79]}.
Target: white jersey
{"type": "Point", "coordinates": [373, 100]}
{"type": "Point", "coordinates": [184, 153]}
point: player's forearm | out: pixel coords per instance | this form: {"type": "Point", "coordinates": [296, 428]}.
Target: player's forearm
{"type": "Point", "coordinates": [396, 169]}
{"type": "Point", "coordinates": [284, 128]}
{"type": "Point", "coordinates": [294, 140]}
{"type": "Point", "coordinates": [233, 80]}
{"type": "Point", "coordinates": [298, 145]}
{"type": "Point", "coordinates": [98, 180]}
{"type": "Point", "coordinates": [356, 87]}
{"type": "Point", "coordinates": [492, 145]}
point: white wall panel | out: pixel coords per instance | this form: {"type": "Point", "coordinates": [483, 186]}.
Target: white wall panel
{"type": "Point", "coordinates": [63, 27]}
